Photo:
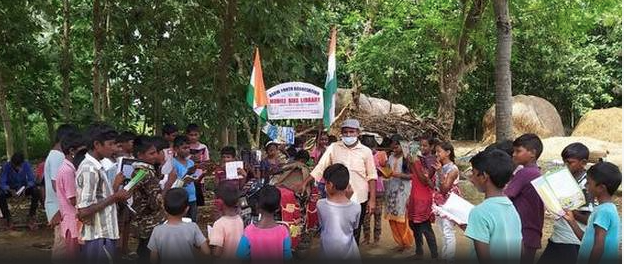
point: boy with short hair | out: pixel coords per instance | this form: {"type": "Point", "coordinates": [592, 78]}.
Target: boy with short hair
{"type": "Point", "coordinates": [125, 140]}
{"type": "Point", "coordinates": [199, 154]}
{"type": "Point", "coordinates": [73, 144]}
{"type": "Point", "coordinates": [494, 225]}
{"type": "Point", "coordinates": [175, 239]}
{"type": "Point", "coordinates": [527, 149]}
{"type": "Point", "coordinates": [601, 239]}
{"type": "Point", "coordinates": [338, 215]}
{"type": "Point", "coordinates": [169, 133]}
{"type": "Point", "coordinates": [147, 194]}
{"type": "Point", "coordinates": [228, 154]}
{"type": "Point", "coordinates": [125, 148]}
{"type": "Point", "coordinates": [95, 198]}
{"type": "Point", "coordinates": [228, 229]}
{"type": "Point", "coordinates": [563, 245]}
{"type": "Point", "coordinates": [183, 166]}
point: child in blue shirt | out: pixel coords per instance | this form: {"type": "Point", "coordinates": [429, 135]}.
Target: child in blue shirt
{"type": "Point", "coordinates": [183, 165]}
{"type": "Point", "coordinates": [601, 239]}
{"type": "Point", "coordinates": [494, 225]}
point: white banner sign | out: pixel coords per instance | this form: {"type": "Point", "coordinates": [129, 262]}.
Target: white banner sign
{"type": "Point", "coordinates": [295, 100]}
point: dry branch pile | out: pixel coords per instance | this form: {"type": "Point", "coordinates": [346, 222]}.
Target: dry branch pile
{"type": "Point", "coordinates": [408, 125]}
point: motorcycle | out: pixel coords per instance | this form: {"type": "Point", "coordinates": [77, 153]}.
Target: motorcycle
{"type": "Point", "coordinates": [293, 213]}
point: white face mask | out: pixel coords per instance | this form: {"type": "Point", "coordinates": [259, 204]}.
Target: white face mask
{"type": "Point", "coordinates": [349, 140]}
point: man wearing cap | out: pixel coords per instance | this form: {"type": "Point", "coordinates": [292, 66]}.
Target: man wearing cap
{"type": "Point", "coordinates": [361, 164]}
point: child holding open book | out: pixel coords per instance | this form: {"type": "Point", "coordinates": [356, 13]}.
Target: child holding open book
{"type": "Point", "coordinates": [184, 166]}
{"type": "Point", "coordinates": [601, 239]}
{"type": "Point", "coordinates": [228, 154]}
{"type": "Point", "coordinates": [563, 245]}
{"type": "Point", "coordinates": [494, 225]}
{"type": "Point", "coordinates": [527, 149]}
{"type": "Point", "coordinates": [199, 154]}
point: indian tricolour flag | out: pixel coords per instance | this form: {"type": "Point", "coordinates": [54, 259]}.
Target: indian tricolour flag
{"type": "Point", "coordinates": [331, 84]}
{"type": "Point", "coordinates": [256, 93]}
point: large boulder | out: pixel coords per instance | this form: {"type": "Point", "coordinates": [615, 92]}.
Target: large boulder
{"type": "Point", "coordinates": [531, 114]}
{"type": "Point", "coordinates": [597, 148]}
{"type": "Point", "coordinates": [603, 124]}
{"type": "Point", "coordinates": [369, 105]}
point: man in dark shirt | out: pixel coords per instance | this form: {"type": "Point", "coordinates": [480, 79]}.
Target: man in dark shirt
{"type": "Point", "coordinates": [16, 179]}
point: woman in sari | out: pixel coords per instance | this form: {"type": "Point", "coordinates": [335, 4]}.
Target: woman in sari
{"type": "Point", "coordinates": [398, 189]}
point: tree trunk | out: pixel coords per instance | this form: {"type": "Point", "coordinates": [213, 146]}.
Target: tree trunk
{"type": "Point", "coordinates": [23, 117]}
{"type": "Point", "coordinates": [66, 64]}
{"type": "Point", "coordinates": [452, 71]}
{"type": "Point", "coordinates": [449, 86]}
{"type": "Point", "coordinates": [225, 61]}
{"type": "Point", "coordinates": [104, 89]}
{"type": "Point", "coordinates": [49, 124]}
{"type": "Point", "coordinates": [6, 120]}
{"type": "Point", "coordinates": [97, 54]}
{"type": "Point", "coordinates": [157, 114]}
{"type": "Point", "coordinates": [125, 101]}
{"type": "Point", "coordinates": [250, 136]}
{"type": "Point", "coordinates": [356, 81]}
{"type": "Point", "coordinates": [224, 137]}
{"type": "Point", "coordinates": [504, 100]}
{"type": "Point", "coordinates": [233, 137]}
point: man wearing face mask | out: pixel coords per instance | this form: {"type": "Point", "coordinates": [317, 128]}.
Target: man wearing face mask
{"type": "Point", "coordinates": [361, 164]}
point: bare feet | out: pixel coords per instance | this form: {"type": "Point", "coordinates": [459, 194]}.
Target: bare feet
{"type": "Point", "coordinates": [32, 225]}
{"type": "Point", "coordinates": [6, 225]}
{"type": "Point", "coordinates": [400, 249]}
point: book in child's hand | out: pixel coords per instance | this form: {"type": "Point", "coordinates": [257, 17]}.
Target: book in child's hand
{"type": "Point", "coordinates": [559, 191]}
{"type": "Point", "coordinates": [189, 178]}
{"type": "Point", "coordinates": [198, 153]}
{"type": "Point", "coordinates": [136, 179]}
{"type": "Point", "coordinates": [125, 165]}
{"type": "Point", "coordinates": [456, 208]}
{"type": "Point", "coordinates": [178, 184]}
{"type": "Point", "coordinates": [209, 230]}
{"type": "Point", "coordinates": [20, 191]}
{"type": "Point", "coordinates": [231, 170]}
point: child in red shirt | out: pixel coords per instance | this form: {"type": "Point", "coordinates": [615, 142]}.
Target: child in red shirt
{"type": "Point", "coordinates": [421, 199]}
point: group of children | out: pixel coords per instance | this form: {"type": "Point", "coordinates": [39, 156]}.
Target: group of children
{"type": "Point", "coordinates": [507, 225]}
{"type": "Point", "coordinates": [97, 206]}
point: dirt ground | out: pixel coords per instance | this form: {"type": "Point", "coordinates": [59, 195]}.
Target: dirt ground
{"type": "Point", "coordinates": [16, 244]}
